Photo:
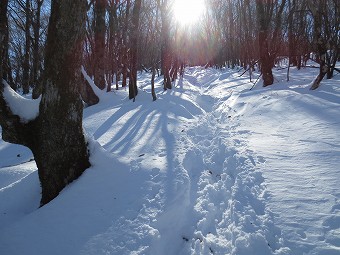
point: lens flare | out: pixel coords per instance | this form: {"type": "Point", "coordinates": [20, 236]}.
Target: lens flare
{"type": "Point", "coordinates": [188, 12]}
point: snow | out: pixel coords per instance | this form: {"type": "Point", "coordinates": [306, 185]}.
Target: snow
{"type": "Point", "coordinates": [210, 167]}
{"type": "Point", "coordinates": [97, 91]}
{"type": "Point", "coordinates": [26, 109]}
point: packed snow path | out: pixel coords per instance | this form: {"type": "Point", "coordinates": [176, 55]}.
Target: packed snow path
{"type": "Point", "coordinates": [208, 168]}
{"type": "Point", "coordinates": [206, 195]}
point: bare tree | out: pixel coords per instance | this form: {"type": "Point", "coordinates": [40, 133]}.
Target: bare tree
{"type": "Point", "coordinates": [318, 9]}
{"type": "Point", "coordinates": [133, 91]}
{"type": "Point", "coordinates": [165, 43]}
{"type": "Point", "coordinates": [26, 64]}
{"type": "Point", "coordinates": [36, 24]}
{"type": "Point", "coordinates": [99, 41]}
{"type": "Point", "coordinates": [3, 37]}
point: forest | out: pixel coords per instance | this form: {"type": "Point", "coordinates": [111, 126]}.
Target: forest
{"type": "Point", "coordinates": [146, 35]}
{"type": "Point", "coordinates": [43, 45]}
{"type": "Point", "coordinates": [169, 127]}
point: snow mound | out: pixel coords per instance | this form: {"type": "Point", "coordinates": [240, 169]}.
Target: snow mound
{"type": "Point", "coordinates": [26, 109]}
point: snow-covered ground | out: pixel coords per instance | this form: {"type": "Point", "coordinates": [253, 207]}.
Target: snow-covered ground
{"type": "Point", "coordinates": [211, 167]}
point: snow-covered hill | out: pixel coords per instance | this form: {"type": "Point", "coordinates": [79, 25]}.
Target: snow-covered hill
{"type": "Point", "coordinates": [211, 167]}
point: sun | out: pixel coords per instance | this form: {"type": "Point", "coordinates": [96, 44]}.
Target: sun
{"type": "Point", "coordinates": [188, 12]}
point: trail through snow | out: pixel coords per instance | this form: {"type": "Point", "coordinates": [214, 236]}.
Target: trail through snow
{"type": "Point", "coordinates": [209, 168]}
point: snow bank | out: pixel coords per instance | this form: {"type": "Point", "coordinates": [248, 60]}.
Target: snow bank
{"type": "Point", "coordinates": [26, 109]}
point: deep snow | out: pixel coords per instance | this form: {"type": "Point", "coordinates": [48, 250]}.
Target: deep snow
{"type": "Point", "coordinates": [211, 167]}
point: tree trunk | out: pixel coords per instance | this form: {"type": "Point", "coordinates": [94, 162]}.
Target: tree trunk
{"type": "Point", "coordinates": [112, 47]}
{"type": "Point", "coordinates": [36, 33]}
{"type": "Point", "coordinates": [320, 43]}
{"type": "Point", "coordinates": [26, 65]}
{"type": "Point", "coordinates": [36, 56]}
{"type": "Point", "coordinates": [87, 94]}
{"type": "Point", "coordinates": [56, 136]}
{"type": "Point", "coordinates": [165, 48]}
{"type": "Point", "coordinates": [99, 51]}
{"type": "Point", "coordinates": [125, 48]}
{"type": "Point", "coordinates": [62, 154]}
{"type": "Point", "coordinates": [3, 38]}
{"type": "Point", "coordinates": [332, 65]}
{"type": "Point", "coordinates": [133, 90]}
{"type": "Point", "coordinates": [153, 93]}
{"type": "Point", "coordinates": [174, 70]}
{"type": "Point", "coordinates": [265, 59]}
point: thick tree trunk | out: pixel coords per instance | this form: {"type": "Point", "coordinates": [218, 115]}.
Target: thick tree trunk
{"type": "Point", "coordinates": [99, 51]}
{"type": "Point", "coordinates": [166, 65]}
{"type": "Point", "coordinates": [62, 154]}
{"type": "Point", "coordinates": [133, 90]}
{"type": "Point", "coordinates": [56, 135]}
{"type": "Point", "coordinates": [265, 59]}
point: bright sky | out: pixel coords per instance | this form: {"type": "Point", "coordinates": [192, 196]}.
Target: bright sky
{"type": "Point", "coordinates": [188, 11]}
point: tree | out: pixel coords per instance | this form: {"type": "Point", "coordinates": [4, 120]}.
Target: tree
{"type": "Point", "coordinates": [113, 42]}
{"type": "Point", "coordinates": [55, 136]}
{"type": "Point", "coordinates": [36, 23]}
{"type": "Point", "coordinates": [265, 58]}
{"type": "Point", "coordinates": [318, 8]}
{"type": "Point", "coordinates": [99, 41]}
{"type": "Point", "coordinates": [268, 44]}
{"type": "Point", "coordinates": [133, 91]}
{"type": "Point", "coordinates": [125, 49]}
{"type": "Point", "coordinates": [3, 37]}
{"type": "Point", "coordinates": [165, 44]}
{"type": "Point", "coordinates": [26, 65]}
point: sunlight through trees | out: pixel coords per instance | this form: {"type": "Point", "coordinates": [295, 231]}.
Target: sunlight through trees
{"type": "Point", "coordinates": [162, 37]}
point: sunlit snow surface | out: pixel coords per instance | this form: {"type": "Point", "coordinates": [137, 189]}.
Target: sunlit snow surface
{"type": "Point", "coordinates": [211, 167]}
{"type": "Point", "coordinates": [26, 109]}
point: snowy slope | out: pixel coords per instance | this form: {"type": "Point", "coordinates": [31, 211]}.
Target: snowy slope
{"type": "Point", "coordinates": [211, 167]}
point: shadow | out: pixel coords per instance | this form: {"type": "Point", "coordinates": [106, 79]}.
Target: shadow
{"type": "Point", "coordinates": [138, 122]}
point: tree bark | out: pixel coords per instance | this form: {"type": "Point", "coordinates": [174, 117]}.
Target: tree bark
{"type": "Point", "coordinates": [125, 47]}
{"type": "Point", "coordinates": [3, 37]}
{"type": "Point", "coordinates": [133, 90]}
{"type": "Point", "coordinates": [265, 59]}
{"type": "Point", "coordinates": [153, 93]}
{"type": "Point", "coordinates": [26, 64]}
{"type": "Point", "coordinates": [320, 43]}
{"type": "Point", "coordinates": [36, 32]}
{"type": "Point", "coordinates": [56, 136]}
{"type": "Point", "coordinates": [62, 154]}
{"type": "Point", "coordinates": [165, 48]}
{"type": "Point", "coordinates": [99, 51]}
{"type": "Point", "coordinates": [112, 47]}
{"type": "Point", "coordinates": [36, 55]}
